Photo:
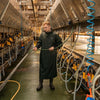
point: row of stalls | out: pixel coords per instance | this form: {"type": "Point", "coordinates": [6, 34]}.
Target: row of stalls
{"type": "Point", "coordinates": [69, 19]}
{"type": "Point", "coordinates": [15, 35]}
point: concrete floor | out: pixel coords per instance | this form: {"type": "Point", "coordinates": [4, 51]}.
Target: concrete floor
{"type": "Point", "coordinates": [27, 75]}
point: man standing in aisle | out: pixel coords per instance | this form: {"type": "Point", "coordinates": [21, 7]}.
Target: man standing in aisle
{"type": "Point", "coordinates": [49, 43]}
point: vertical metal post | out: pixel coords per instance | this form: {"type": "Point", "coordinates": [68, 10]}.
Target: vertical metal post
{"type": "Point", "coordinates": [21, 21]}
{"type": "Point", "coordinates": [93, 40]}
{"type": "Point", "coordinates": [50, 13]}
{"type": "Point", "coordinates": [9, 56]}
{"type": "Point", "coordinates": [0, 74]}
{"type": "Point", "coordinates": [3, 64]}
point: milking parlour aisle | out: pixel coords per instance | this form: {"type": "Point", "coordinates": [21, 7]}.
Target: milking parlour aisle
{"type": "Point", "coordinates": [27, 75]}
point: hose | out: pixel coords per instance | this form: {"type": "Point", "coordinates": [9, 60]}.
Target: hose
{"type": "Point", "coordinates": [71, 51]}
{"type": "Point", "coordinates": [66, 82]}
{"type": "Point", "coordinates": [97, 72]}
{"type": "Point", "coordinates": [94, 81]}
{"type": "Point", "coordinates": [73, 48]}
{"type": "Point", "coordinates": [90, 42]}
{"type": "Point", "coordinates": [68, 57]}
{"type": "Point", "coordinates": [62, 59]}
{"type": "Point", "coordinates": [74, 75]}
{"type": "Point", "coordinates": [90, 27]}
{"type": "Point", "coordinates": [17, 89]}
{"type": "Point", "coordinates": [68, 66]}
{"type": "Point", "coordinates": [65, 42]}
{"type": "Point", "coordinates": [9, 62]}
{"type": "Point", "coordinates": [89, 48]}
{"type": "Point", "coordinates": [93, 87]}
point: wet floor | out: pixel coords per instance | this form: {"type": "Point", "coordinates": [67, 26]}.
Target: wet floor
{"type": "Point", "coordinates": [27, 74]}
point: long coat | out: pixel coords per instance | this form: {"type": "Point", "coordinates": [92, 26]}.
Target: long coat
{"type": "Point", "coordinates": [48, 68]}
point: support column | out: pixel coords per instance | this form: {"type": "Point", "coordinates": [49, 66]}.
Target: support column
{"type": "Point", "coordinates": [93, 40]}
{"type": "Point", "coordinates": [73, 38]}
{"type": "Point", "coordinates": [64, 35]}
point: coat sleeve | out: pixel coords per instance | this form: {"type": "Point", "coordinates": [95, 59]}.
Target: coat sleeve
{"type": "Point", "coordinates": [39, 43]}
{"type": "Point", "coordinates": [58, 42]}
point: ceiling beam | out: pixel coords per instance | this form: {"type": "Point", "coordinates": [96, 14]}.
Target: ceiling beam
{"type": "Point", "coordinates": [37, 19]}
{"type": "Point", "coordinates": [43, 3]}
{"type": "Point", "coordinates": [42, 12]}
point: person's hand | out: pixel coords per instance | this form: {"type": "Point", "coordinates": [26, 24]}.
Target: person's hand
{"type": "Point", "coordinates": [51, 48]}
{"type": "Point", "coordinates": [35, 48]}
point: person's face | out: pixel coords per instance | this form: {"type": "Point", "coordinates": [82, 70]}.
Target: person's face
{"type": "Point", "coordinates": [47, 28]}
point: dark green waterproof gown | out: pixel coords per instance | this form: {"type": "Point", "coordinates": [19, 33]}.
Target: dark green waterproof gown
{"type": "Point", "coordinates": [48, 58]}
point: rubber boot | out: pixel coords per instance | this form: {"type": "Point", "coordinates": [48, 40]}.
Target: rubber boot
{"type": "Point", "coordinates": [51, 84]}
{"type": "Point", "coordinates": [39, 88]}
